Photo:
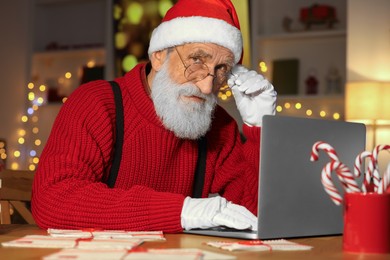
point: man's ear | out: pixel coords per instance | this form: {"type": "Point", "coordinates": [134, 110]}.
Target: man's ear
{"type": "Point", "coordinates": [157, 59]}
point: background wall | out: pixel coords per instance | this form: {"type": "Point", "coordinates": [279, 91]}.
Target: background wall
{"type": "Point", "coordinates": [368, 40]}
{"type": "Point", "coordinates": [15, 50]}
{"type": "Point", "coordinates": [368, 55]}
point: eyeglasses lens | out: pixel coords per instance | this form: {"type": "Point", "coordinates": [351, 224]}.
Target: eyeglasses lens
{"type": "Point", "coordinates": [196, 72]}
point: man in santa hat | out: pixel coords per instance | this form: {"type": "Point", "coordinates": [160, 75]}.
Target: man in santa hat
{"type": "Point", "coordinates": [169, 104]}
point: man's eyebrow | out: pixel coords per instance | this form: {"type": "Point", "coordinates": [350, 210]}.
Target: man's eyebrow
{"type": "Point", "coordinates": [200, 53]}
{"type": "Point", "coordinates": [229, 61]}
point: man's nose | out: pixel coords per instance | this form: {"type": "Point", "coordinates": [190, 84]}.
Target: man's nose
{"type": "Point", "coordinates": [206, 85]}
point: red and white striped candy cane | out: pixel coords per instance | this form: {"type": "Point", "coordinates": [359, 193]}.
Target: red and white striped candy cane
{"type": "Point", "coordinates": [374, 165]}
{"type": "Point", "coordinates": [347, 178]}
{"type": "Point", "coordinates": [385, 182]}
{"type": "Point", "coordinates": [344, 175]}
{"type": "Point", "coordinates": [367, 174]}
{"type": "Point", "coordinates": [323, 146]}
{"type": "Point", "coordinates": [326, 180]}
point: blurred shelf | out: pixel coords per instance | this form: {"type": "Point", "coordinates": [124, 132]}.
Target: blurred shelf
{"type": "Point", "coordinates": [100, 51]}
{"type": "Point", "coordinates": [315, 34]}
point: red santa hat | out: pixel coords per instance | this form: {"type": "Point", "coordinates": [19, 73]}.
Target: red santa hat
{"type": "Point", "coordinates": [202, 21]}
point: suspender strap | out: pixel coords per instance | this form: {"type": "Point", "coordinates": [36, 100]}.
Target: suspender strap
{"type": "Point", "coordinates": [200, 168]}
{"type": "Point", "coordinates": [117, 157]}
{"type": "Point", "coordinates": [119, 129]}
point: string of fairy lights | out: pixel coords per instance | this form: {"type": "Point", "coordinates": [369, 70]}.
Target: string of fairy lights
{"type": "Point", "coordinates": [27, 136]}
{"type": "Point", "coordinates": [298, 107]}
{"type": "Point", "coordinates": [35, 98]}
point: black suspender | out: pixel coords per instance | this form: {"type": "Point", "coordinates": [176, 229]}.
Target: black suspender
{"type": "Point", "coordinates": [200, 168]}
{"type": "Point", "coordinates": [119, 128]}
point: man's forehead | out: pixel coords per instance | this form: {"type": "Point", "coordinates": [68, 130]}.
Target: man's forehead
{"type": "Point", "coordinates": [208, 49]}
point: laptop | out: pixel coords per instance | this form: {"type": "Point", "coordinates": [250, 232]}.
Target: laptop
{"type": "Point", "coordinates": [292, 200]}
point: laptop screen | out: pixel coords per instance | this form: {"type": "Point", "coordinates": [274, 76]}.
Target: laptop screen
{"type": "Point", "coordinates": [292, 200]}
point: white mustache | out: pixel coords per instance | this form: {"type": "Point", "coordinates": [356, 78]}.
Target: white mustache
{"type": "Point", "coordinates": [192, 90]}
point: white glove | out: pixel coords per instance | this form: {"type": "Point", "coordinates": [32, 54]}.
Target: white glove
{"type": "Point", "coordinates": [255, 96]}
{"type": "Point", "coordinates": [216, 211]}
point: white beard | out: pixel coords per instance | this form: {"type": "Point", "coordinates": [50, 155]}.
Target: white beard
{"type": "Point", "coordinates": [187, 119]}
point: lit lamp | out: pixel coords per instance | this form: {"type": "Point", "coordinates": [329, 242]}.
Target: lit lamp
{"type": "Point", "coordinates": [369, 103]}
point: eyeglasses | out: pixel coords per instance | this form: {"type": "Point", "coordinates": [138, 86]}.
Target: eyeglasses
{"type": "Point", "coordinates": [198, 71]}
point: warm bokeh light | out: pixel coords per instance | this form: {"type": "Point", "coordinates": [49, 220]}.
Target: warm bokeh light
{"type": "Point", "coordinates": [121, 40]}
{"type": "Point", "coordinates": [21, 132]}
{"type": "Point", "coordinates": [129, 62]}
{"type": "Point", "coordinates": [91, 63]}
{"type": "Point", "coordinates": [306, 108]}
{"type": "Point", "coordinates": [40, 100]}
{"type": "Point", "coordinates": [31, 96]}
{"type": "Point", "coordinates": [336, 116]}
{"type": "Point", "coordinates": [24, 119]}
{"type": "Point", "coordinates": [37, 142]}
{"type": "Point", "coordinates": [68, 75]}
{"type": "Point", "coordinates": [17, 153]}
{"type": "Point", "coordinates": [32, 167]}
{"type": "Point", "coordinates": [117, 10]}
{"type": "Point", "coordinates": [164, 6]}
{"type": "Point", "coordinates": [263, 66]}
{"type": "Point", "coordinates": [134, 12]}
{"type": "Point", "coordinates": [14, 166]}
{"type": "Point", "coordinates": [42, 88]}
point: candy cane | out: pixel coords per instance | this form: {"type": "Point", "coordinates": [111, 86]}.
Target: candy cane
{"type": "Point", "coordinates": [326, 147]}
{"type": "Point", "coordinates": [373, 166]}
{"type": "Point", "coordinates": [326, 181]}
{"type": "Point", "coordinates": [368, 174]}
{"type": "Point", "coordinates": [345, 176]}
{"type": "Point", "coordinates": [385, 182]}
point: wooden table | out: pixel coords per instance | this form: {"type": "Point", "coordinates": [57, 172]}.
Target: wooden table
{"type": "Point", "coordinates": [324, 247]}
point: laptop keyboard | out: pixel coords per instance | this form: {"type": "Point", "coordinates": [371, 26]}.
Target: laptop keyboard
{"type": "Point", "coordinates": [228, 229]}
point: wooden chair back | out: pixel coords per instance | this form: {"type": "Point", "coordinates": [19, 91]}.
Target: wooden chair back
{"type": "Point", "coordinates": [15, 191]}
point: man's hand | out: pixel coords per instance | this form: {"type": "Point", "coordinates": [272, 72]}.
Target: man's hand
{"type": "Point", "coordinates": [216, 211]}
{"type": "Point", "coordinates": [255, 96]}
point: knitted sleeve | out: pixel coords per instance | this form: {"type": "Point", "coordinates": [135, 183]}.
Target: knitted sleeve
{"type": "Point", "coordinates": [237, 163]}
{"type": "Point", "coordinates": [68, 191]}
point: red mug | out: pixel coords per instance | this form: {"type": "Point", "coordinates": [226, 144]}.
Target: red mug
{"type": "Point", "coordinates": [367, 223]}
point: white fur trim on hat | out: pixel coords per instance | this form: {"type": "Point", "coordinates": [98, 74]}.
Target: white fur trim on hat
{"type": "Point", "coordinates": [193, 29]}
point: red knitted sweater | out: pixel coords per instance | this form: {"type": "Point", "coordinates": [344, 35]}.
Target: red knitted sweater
{"type": "Point", "coordinates": [157, 168]}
